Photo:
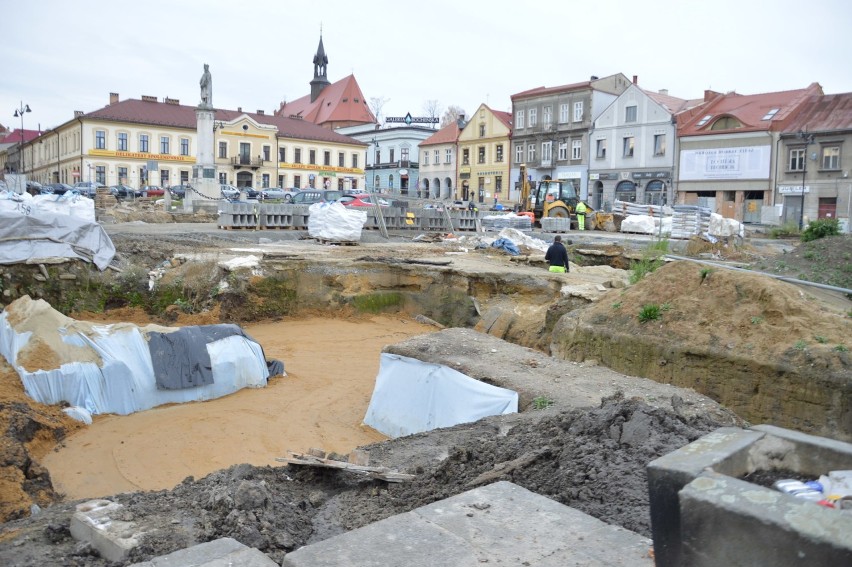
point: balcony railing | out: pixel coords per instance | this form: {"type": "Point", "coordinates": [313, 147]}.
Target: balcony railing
{"type": "Point", "coordinates": [246, 161]}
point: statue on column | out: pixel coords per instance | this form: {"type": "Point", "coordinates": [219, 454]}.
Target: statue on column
{"type": "Point", "coordinates": [206, 87]}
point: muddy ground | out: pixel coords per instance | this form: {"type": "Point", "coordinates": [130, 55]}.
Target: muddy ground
{"type": "Point", "coordinates": [593, 460]}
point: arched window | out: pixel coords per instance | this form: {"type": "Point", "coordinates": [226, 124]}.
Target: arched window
{"type": "Point", "coordinates": [625, 191]}
{"type": "Point", "coordinates": [726, 123]}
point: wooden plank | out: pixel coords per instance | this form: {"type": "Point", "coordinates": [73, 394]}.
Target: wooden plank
{"type": "Point", "coordinates": [311, 460]}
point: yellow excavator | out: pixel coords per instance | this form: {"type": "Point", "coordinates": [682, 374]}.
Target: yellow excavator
{"type": "Point", "coordinates": [552, 198]}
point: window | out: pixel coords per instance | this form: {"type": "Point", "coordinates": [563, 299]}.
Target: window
{"type": "Point", "coordinates": [498, 184]}
{"type": "Point", "coordinates": [282, 156]}
{"type": "Point", "coordinates": [376, 183]}
{"type": "Point", "coordinates": [312, 157]}
{"type": "Point", "coordinates": [482, 130]}
{"type": "Point", "coordinates": [223, 178]}
{"type": "Point", "coordinates": [184, 177]}
{"type": "Point", "coordinates": [546, 152]}
{"type": "Point", "coordinates": [499, 152]}
{"type": "Point", "coordinates": [600, 152]}
{"type": "Point", "coordinates": [297, 181]}
{"type": "Point", "coordinates": [576, 149]}
{"type": "Point", "coordinates": [797, 159]}
{"type": "Point", "coordinates": [390, 181]}
{"type": "Point", "coordinates": [378, 157]}
{"type": "Point", "coordinates": [403, 154]}
{"type": "Point", "coordinates": [481, 156]}
{"type": "Point", "coordinates": [771, 114]}
{"type": "Point", "coordinates": [326, 158]}
{"type": "Point", "coordinates": [282, 181]}
{"type": "Point", "coordinates": [659, 144]}
{"type": "Point", "coordinates": [563, 151]}
{"type": "Point", "coordinates": [354, 160]}
{"type": "Point", "coordinates": [448, 158]}
{"type": "Point", "coordinates": [341, 159]}
{"type": "Point", "coordinates": [122, 175]}
{"type": "Point", "coordinates": [831, 157]}
{"type": "Point", "coordinates": [531, 152]}
{"type": "Point", "coordinates": [297, 157]}
{"type": "Point", "coordinates": [704, 119]}
{"type": "Point", "coordinates": [547, 115]}
{"type": "Point", "coordinates": [164, 144]}
{"type": "Point", "coordinates": [438, 157]}
{"type": "Point", "coordinates": [264, 180]}
{"type": "Point", "coordinates": [223, 150]}
{"type": "Point", "coordinates": [519, 153]}
{"type": "Point", "coordinates": [122, 141]}
{"type": "Point", "coordinates": [563, 113]}
{"type": "Point", "coordinates": [426, 157]}
{"type": "Point", "coordinates": [578, 111]}
{"type": "Point", "coordinates": [266, 154]}
{"type": "Point", "coordinates": [392, 152]}
{"type": "Point", "coordinates": [533, 117]}
{"type": "Point", "coordinates": [628, 146]}
{"type": "Point", "coordinates": [630, 114]}
{"type": "Point", "coordinates": [184, 146]}
{"type": "Point", "coordinates": [100, 139]}
{"type": "Point", "coordinates": [519, 119]}
{"type": "Point", "coordinates": [466, 156]}
{"type": "Point", "coordinates": [143, 143]}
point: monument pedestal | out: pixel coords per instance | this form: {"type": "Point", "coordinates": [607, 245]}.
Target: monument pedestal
{"type": "Point", "coordinates": [205, 184]}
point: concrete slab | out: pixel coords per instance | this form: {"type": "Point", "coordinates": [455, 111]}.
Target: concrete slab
{"type": "Point", "coordinates": [97, 523]}
{"type": "Point", "coordinates": [501, 523]}
{"type": "Point", "coordinates": [223, 552]}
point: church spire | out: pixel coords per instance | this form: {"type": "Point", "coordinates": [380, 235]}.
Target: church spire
{"type": "Point", "coordinates": [320, 72]}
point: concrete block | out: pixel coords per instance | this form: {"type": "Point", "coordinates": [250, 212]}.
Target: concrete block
{"type": "Point", "coordinates": [727, 521]}
{"type": "Point", "coordinates": [223, 552]}
{"type": "Point", "coordinates": [689, 510]}
{"type": "Point", "coordinates": [501, 523]}
{"type": "Point", "coordinates": [94, 522]}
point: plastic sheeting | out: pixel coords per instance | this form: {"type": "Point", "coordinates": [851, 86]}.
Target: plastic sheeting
{"type": "Point", "coordinates": [333, 221]}
{"type": "Point", "coordinates": [412, 396]}
{"type": "Point", "coordinates": [45, 235]}
{"type": "Point", "coordinates": [124, 382]}
{"type": "Point", "coordinates": [70, 203]}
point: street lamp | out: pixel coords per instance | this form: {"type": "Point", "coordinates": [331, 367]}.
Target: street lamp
{"type": "Point", "coordinates": [20, 112]}
{"type": "Point", "coordinates": [808, 139]}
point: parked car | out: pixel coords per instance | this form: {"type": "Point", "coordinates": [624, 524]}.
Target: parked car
{"type": "Point", "coordinates": [36, 188]}
{"type": "Point", "coordinates": [277, 193]}
{"type": "Point", "coordinates": [311, 196]}
{"type": "Point", "coordinates": [152, 191]}
{"type": "Point", "coordinates": [229, 191]}
{"type": "Point", "coordinates": [363, 200]}
{"type": "Point", "coordinates": [58, 188]}
{"type": "Point", "coordinates": [88, 188]}
{"type": "Point", "coordinates": [178, 191]}
{"type": "Point", "coordinates": [122, 191]}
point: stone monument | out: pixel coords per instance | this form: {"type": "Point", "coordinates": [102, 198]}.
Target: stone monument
{"type": "Point", "coordinates": [205, 185]}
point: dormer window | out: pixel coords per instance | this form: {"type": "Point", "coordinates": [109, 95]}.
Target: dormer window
{"type": "Point", "coordinates": [704, 120]}
{"type": "Point", "coordinates": [726, 123]}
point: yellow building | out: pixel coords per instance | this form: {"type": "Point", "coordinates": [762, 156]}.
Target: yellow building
{"type": "Point", "coordinates": [483, 172]}
{"type": "Point", "coordinates": [146, 142]}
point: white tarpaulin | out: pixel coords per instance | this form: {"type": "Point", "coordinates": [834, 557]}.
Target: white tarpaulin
{"type": "Point", "coordinates": [333, 221]}
{"type": "Point", "coordinates": [109, 368]}
{"type": "Point", "coordinates": [412, 396]}
{"type": "Point", "coordinates": [30, 236]}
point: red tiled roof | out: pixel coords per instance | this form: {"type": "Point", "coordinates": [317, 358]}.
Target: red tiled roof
{"type": "Point", "coordinates": [825, 113]}
{"type": "Point", "coordinates": [749, 110]}
{"type": "Point", "coordinates": [14, 136]}
{"type": "Point", "coordinates": [182, 116]}
{"type": "Point", "coordinates": [672, 103]}
{"type": "Point", "coordinates": [335, 103]}
{"type": "Point", "coordinates": [449, 134]}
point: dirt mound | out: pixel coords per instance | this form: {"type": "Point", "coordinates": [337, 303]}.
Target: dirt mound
{"type": "Point", "coordinates": [591, 460]}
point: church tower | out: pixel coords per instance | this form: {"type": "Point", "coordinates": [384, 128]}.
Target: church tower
{"type": "Point", "coordinates": [320, 77]}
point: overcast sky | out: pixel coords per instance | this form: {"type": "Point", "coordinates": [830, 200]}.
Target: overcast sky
{"type": "Point", "coordinates": [60, 56]}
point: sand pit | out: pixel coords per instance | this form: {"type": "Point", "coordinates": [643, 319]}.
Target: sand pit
{"type": "Point", "coordinates": [331, 366]}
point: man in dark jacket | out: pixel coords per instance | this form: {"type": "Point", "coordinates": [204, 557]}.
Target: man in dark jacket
{"type": "Point", "coordinates": [557, 256]}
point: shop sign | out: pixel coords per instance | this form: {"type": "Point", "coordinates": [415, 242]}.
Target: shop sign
{"type": "Point", "coordinates": [650, 175]}
{"type": "Point", "coordinates": [408, 119]}
{"type": "Point", "coordinates": [793, 189]}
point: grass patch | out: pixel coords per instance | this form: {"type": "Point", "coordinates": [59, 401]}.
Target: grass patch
{"type": "Point", "coordinates": [800, 345]}
{"type": "Point", "coordinates": [841, 348]}
{"type": "Point", "coordinates": [649, 312]}
{"type": "Point", "coordinates": [784, 231]}
{"type": "Point", "coordinates": [377, 302]}
{"type": "Point", "coordinates": [542, 402]}
{"type": "Point", "coordinates": [756, 320]}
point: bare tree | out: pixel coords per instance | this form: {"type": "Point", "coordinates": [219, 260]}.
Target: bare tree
{"type": "Point", "coordinates": [376, 105]}
{"type": "Point", "coordinates": [452, 114]}
{"type": "Point", "coordinates": [432, 109]}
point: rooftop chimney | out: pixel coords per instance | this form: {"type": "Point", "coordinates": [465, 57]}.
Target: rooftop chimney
{"type": "Point", "coordinates": [635, 79]}
{"type": "Point", "coordinates": [78, 113]}
{"type": "Point", "coordinates": [171, 101]}
{"type": "Point", "coordinates": [593, 78]}
{"type": "Point", "coordinates": [239, 109]}
{"type": "Point", "coordinates": [113, 98]}
{"type": "Point", "coordinates": [148, 98]}
{"type": "Point", "coordinates": [664, 91]}
{"type": "Point", "coordinates": [259, 111]}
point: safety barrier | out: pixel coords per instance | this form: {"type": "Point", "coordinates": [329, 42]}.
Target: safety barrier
{"type": "Point", "coordinates": [238, 215]}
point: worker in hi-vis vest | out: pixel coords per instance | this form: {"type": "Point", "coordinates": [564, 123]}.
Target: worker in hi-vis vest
{"type": "Point", "coordinates": [581, 215]}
